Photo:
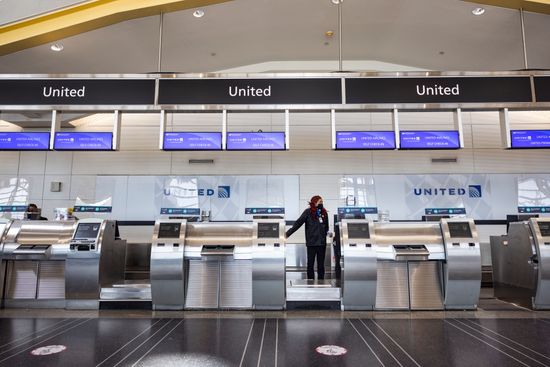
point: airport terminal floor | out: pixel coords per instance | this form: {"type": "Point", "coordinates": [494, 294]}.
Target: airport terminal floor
{"type": "Point", "coordinates": [497, 334]}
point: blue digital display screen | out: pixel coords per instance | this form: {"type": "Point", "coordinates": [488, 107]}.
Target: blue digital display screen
{"type": "Point", "coordinates": [365, 140]}
{"type": "Point", "coordinates": [83, 141]}
{"type": "Point", "coordinates": [24, 141]}
{"type": "Point", "coordinates": [443, 211]}
{"type": "Point", "coordinates": [448, 139]}
{"type": "Point", "coordinates": [256, 141]}
{"type": "Point", "coordinates": [264, 210]}
{"type": "Point", "coordinates": [530, 138]}
{"type": "Point", "coordinates": [192, 141]}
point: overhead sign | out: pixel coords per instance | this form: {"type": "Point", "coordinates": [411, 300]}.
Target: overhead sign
{"type": "Point", "coordinates": [444, 211]}
{"type": "Point", "coordinates": [24, 141]}
{"type": "Point", "coordinates": [92, 209]}
{"type": "Point", "coordinates": [357, 210]}
{"type": "Point", "coordinates": [83, 141]}
{"type": "Point", "coordinates": [447, 139]}
{"type": "Point", "coordinates": [542, 88]}
{"type": "Point", "coordinates": [180, 211]}
{"type": "Point", "coordinates": [365, 140]}
{"type": "Point", "coordinates": [77, 92]}
{"type": "Point", "coordinates": [533, 209]}
{"type": "Point", "coordinates": [530, 138]}
{"type": "Point", "coordinates": [250, 91]}
{"type": "Point", "coordinates": [438, 90]}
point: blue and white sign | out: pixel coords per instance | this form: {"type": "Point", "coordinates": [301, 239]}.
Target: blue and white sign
{"type": "Point", "coordinates": [530, 138]}
{"type": "Point", "coordinates": [256, 141]}
{"type": "Point", "coordinates": [92, 209]}
{"type": "Point", "coordinates": [13, 208]}
{"type": "Point", "coordinates": [192, 141]}
{"type": "Point", "coordinates": [444, 211]}
{"type": "Point", "coordinates": [534, 209]}
{"type": "Point", "coordinates": [83, 141]}
{"type": "Point", "coordinates": [357, 210]}
{"type": "Point", "coordinates": [264, 211]}
{"type": "Point", "coordinates": [365, 140]}
{"type": "Point", "coordinates": [180, 211]}
{"type": "Point", "coordinates": [429, 139]}
{"type": "Point", "coordinates": [24, 141]}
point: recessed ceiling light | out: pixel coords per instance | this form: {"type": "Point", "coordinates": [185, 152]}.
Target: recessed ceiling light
{"type": "Point", "coordinates": [478, 11]}
{"type": "Point", "coordinates": [198, 13]}
{"type": "Point", "coordinates": [337, 2]}
{"type": "Point", "coordinates": [57, 47]}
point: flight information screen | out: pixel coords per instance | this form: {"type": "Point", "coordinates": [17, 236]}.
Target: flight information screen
{"type": "Point", "coordinates": [530, 138]}
{"type": "Point", "coordinates": [448, 139]}
{"type": "Point", "coordinates": [460, 229]}
{"type": "Point", "coordinates": [365, 140]}
{"type": "Point", "coordinates": [24, 141]}
{"type": "Point", "coordinates": [192, 141]}
{"type": "Point", "coordinates": [358, 230]}
{"type": "Point", "coordinates": [256, 141]}
{"type": "Point", "coordinates": [169, 230]}
{"type": "Point", "coordinates": [83, 141]}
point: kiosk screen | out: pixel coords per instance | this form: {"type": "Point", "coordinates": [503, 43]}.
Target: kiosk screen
{"type": "Point", "coordinates": [358, 230]}
{"type": "Point", "coordinates": [460, 229]}
{"type": "Point", "coordinates": [169, 230]}
{"type": "Point", "coordinates": [544, 229]}
{"type": "Point", "coordinates": [87, 230]}
{"type": "Point", "coordinates": [268, 230]}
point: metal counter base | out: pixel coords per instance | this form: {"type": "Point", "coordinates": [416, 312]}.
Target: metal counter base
{"type": "Point", "coordinates": [313, 290]}
{"type": "Point", "coordinates": [42, 303]}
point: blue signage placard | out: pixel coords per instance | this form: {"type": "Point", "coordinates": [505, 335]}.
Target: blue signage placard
{"type": "Point", "coordinates": [13, 208]}
{"type": "Point", "coordinates": [180, 211]}
{"type": "Point", "coordinates": [447, 139]}
{"type": "Point", "coordinates": [444, 211]}
{"type": "Point", "coordinates": [256, 141]}
{"type": "Point", "coordinates": [264, 211]}
{"type": "Point", "coordinates": [92, 209]}
{"type": "Point", "coordinates": [533, 209]}
{"type": "Point", "coordinates": [24, 141]}
{"type": "Point", "coordinates": [83, 141]}
{"type": "Point", "coordinates": [347, 210]}
{"type": "Point", "coordinates": [365, 140]}
{"type": "Point", "coordinates": [192, 141]}
{"type": "Point", "coordinates": [530, 138]}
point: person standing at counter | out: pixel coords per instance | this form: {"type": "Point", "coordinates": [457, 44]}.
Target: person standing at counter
{"type": "Point", "coordinates": [33, 213]}
{"type": "Point", "coordinates": [316, 220]}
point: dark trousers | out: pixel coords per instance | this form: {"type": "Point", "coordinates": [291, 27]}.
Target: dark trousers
{"type": "Point", "coordinates": [319, 253]}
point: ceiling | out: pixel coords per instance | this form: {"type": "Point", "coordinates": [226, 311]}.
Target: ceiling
{"type": "Point", "coordinates": [290, 35]}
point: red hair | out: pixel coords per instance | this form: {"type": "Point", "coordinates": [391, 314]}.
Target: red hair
{"type": "Point", "coordinates": [313, 206]}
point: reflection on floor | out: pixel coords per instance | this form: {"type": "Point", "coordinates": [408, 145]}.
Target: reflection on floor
{"type": "Point", "coordinates": [498, 334]}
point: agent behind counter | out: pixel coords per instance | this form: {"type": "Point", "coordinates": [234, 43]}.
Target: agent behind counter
{"type": "Point", "coordinates": [34, 213]}
{"type": "Point", "coordinates": [316, 220]}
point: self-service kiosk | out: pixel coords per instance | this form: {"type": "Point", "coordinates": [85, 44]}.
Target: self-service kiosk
{"type": "Point", "coordinates": [167, 258]}
{"type": "Point", "coordinates": [521, 264]}
{"type": "Point", "coordinates": [96, 259]}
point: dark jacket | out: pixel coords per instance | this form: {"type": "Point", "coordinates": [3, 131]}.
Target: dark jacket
{"type": "Point", "coordinates": [316, 232]}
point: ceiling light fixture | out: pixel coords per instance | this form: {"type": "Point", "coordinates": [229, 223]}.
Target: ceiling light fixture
{"type": "Point", "coordinates": [337, 2]}
{"type": "Point", "coordinates": [478, 11]}
{"type": "Point", "coordinates": [57, 47]}
{"type": "Point", "coordinates": [198, 13]}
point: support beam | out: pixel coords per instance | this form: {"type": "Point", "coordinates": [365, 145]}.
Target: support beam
{"type": "Point", "coordinates": [85, 17]}
{"type": "Point", "coordinates": [534, 6]}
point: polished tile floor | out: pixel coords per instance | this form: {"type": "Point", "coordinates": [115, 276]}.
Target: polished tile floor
{"type": "Point", "coordinates": [497, 334]}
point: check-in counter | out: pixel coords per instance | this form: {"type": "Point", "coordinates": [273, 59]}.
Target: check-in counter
{"type": "Point", "coordinates": [521, 264]}
{"type": "Point", "coordinates": [166, 270]}
{"type": "Point", "coordinates": [417, 266]}
{"type": "Point", "coordinates": [95, 261]}
{"type": "Point", "coordinates": [34, 254]}
{"type": "Point", "coordinates": [234, 265]}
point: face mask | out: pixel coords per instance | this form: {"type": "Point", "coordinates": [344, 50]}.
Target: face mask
{"type": "Point", "coordinates": [320, 206]}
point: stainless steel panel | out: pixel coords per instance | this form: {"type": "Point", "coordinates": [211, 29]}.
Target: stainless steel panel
{"type": "Point", "coordinates": [21, 279]}
{"type": "Point", "coordinates": [392, 286]}
{"type": "Point", "coordinates": [418, 233]}
{"type": "Point", "coordinates": [202, 284]}
{"type": "Point", "coordinates": [51, 280]}
{"type": "Point", "coordinates": [236, 284]}
{"type": "Point", "coordinates": [542, 298]}
{"type": "Point", "coordinates": [82, 278]}
{"type": "Point", "coordinates": [313, 290]}
{"type": "Point", "coordinates": [425, 285]}
{"type": "Point", "coordinates": [219, 233]}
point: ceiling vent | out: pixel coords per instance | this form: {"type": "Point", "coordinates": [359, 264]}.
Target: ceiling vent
{"type": "Point", "coordinates": [445, 160]}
